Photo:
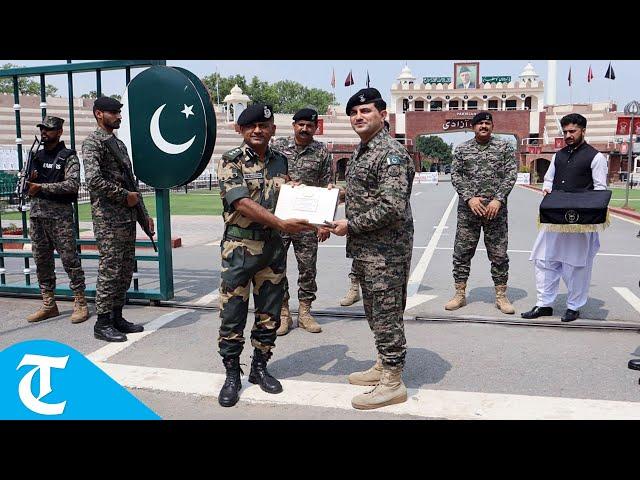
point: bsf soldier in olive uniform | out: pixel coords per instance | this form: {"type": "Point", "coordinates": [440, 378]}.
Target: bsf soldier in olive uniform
{"type": "Point", "coordinates": [252, 250]}
{"type": "Point", "coordinates": [483, 172]}
{"type": "Point", "coordinates": [309, 163]}
{"type": "Point", "coordinates": [114, 220]}
{"type": "Point", "coordinates": [379, 229]}
{"type": "Point", "coordinates": [53, 188]}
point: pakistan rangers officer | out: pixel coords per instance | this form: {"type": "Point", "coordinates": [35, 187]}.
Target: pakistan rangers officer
{"type": "Point", "coordinates": [252, 250]}
{"type": "Point", "coordinates": [379, 229]}
{"type": "Point", "coordinates": [54, 187]}
{"type": "Point", "coordinates": [309, 163]}
{"type": "Point", "coordinates": [483, 172]}
{"type": "Point", "coordinates": [114, 220]}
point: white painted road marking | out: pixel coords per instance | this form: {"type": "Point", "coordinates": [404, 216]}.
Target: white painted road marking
{"type": "Point", "coordinates": [417, 193]}
{"type": "Point", "coordinates": [629, 296]}
{"type": "Point", "coordinates": [208, 298]}
{"type": "Point", "coordinates": [421, 268]}
{"type": "Point", "coordinates": [417, 299]}
{"type": "Point", "coordinates": [215, 242]}
{"type": "Point", "coordinates": [111, 349]}
{"type": "Point", "coordinates": [421, 402]}
{"type": "Point", "coordinates": [529, 251]}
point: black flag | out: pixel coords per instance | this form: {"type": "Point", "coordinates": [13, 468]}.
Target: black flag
{"type": "Point", "coordinates": [610, 73]}
{"type": "Point", "coordinates": [368, 81]}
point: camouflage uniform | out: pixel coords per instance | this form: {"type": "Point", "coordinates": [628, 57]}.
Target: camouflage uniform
{"type": "Point", "coordinates": [51, 226]}
{"type": "Point", "coordinates": [380, 237]}
{"type": "Point", "coordinates": [114, 223]}
{"type": "Point", "coordinates": [251, 252]}
{"type": "Point", "coordinates": [487, 171]}
{"type": "Point", "coordinates": [310, 166]}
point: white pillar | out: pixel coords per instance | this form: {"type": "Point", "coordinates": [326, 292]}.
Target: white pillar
{"type": "Point", "coordinates": [552, 70]}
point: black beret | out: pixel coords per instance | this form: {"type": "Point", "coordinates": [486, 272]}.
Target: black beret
{"type": "Point", "coordinates": [480, 116]}
{"type": "Point", "coordinates": [366, 95]}
{"type": "Point", "coordinates": [308, 114]}
{"type": "Point", "coordinates": [258, 112]}
{"type": "Point", "coordinates": [107, 104]}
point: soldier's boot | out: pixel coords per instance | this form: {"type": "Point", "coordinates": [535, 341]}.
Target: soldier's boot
{"type": "Point", "coordinates": [229, 394]}
{"type": "Point", "coordinates": [80, 308]}
{"type": "Point", "coordinates": [104, 329]}
{"type": "Point", "coordinates": [48, 309]}
{"type": "Point", "coordinates": [368, 377]}
{"type": "Point", "coordinates": [352, 296]}
{"type": "Point", "coordinates": [502, 302]}
{"type": "Point", "coordinates": [285, 319]}
{"type": "Point", "coordinates": [122, 325]}
{"type": "Point", "coordinates": [389, 391]}
{"type": "Point", "coordinates": [459, 299]}
{"type": "Point", "coordinates": [259, 374]}
{"type": "Point", "coordinates": [305, 319]}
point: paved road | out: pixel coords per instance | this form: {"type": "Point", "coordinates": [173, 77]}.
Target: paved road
{"type": "Point", "coordinates": [457, 367]}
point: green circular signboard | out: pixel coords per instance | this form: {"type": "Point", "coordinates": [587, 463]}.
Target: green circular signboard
{"type": "Point", "coordinates": [168, 125]}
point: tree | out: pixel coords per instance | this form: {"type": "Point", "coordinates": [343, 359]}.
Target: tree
{"type": "Point", "coordinates": [26, 85]}
{"type": "Point", "coordinates": [94, 94]}
{"type": "Point", "coordinates": [225, 84]}
{"type": "Point", "coordinates": [435, 148]}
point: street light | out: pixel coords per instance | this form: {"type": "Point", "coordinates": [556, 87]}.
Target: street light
{"type": "Point", "coordinates": [631, 108]}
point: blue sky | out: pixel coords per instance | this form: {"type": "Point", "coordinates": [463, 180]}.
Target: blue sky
{"type": "Point", "coordinates": [317, 73]}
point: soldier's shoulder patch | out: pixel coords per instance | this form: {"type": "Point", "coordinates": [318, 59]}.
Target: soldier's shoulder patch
{"type": "Point", "coordinates": [394, 171]}
{"type": "Point", "coordinates": [231, 155]}
{"type": "Point", "coordinates": [394, 159]}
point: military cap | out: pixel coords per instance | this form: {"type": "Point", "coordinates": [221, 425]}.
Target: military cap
{"type": "Point", "coordinates": [107, 104]}
{"type": "Point", "coordinates": [366, 95]}
{"type": "Point", "coordinates": [51, 122]}
{"type": "Point", "coordinates": [258, 112]}
{"type": "Point", "coordinates": [308, 114]}
{"type": "Point", "coordinates": [479, 117]}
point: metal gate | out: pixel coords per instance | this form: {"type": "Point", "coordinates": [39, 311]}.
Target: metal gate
{"type": "Point", "coordinates": [163, 223]}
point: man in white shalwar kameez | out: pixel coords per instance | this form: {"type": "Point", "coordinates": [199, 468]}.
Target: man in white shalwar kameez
{"type": "Point", "coordinates": [577, 167]}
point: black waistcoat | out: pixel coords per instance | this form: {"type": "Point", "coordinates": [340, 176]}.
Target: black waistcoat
{"type": "Point", "coordinates": [50, 166]}
{"type": "Point", "coordinates": [573, 168]}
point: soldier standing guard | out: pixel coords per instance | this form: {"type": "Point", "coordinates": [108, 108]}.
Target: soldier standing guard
{"type": "Point", "coordinates": [483, 172]}
{"type": "Point", "coordinates": [114, 221]}
{"type": "Point", "coordinates": [252, 250]}
{"type": "Point", "coordinates": [53, 188]}
{"type": "Point", "coordinates": [309, 163]}
{"type": "Point", "coordinates": [379, 229]}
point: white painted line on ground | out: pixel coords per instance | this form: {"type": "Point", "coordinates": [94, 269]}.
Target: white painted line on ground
{"type": "Point", "coordinates": [208, 298]}
{"type": "Point", "coordinates": [629, 296]}
{"type": "Point", "coordinates": [421, 268]}
{"type": "Point", "coordinates": [111, 349]}
{"type": "Point", "coordinates": [417, 193]}
{"type": "Point", "coordinates": [215, 242]}
{"type": "Point", "coordinates": [417, 299]}
{"type": "Point", "coordinates": [628, 220]}
{"type": "Point", "coordinates": [421, 402]}
{"type": "Point", "coordinates": [633, 255]}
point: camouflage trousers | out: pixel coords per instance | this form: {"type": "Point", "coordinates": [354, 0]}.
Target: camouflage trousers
{"type": "Point", "coordinates": [384, 295]}
{"type": "Point", "coordinates": [59, 233]}
{"type": "Point", "coordinates": [496, 237]}
{"type": "Point", "coordinates": [305, 246]}
{"type": "Point", "coordinates": [246, 262]}
{"type": "Point", "coordinates": [117, 247]}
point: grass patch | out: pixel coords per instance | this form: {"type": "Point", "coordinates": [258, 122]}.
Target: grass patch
{"type": "Point", "coordinates": [200, 202]}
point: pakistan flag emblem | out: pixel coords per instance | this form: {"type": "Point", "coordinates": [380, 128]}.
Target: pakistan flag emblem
{"type": "Point", "coordinates": [168, 125]}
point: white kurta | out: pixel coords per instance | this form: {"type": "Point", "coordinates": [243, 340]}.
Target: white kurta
{"type": "Point", "coordinates": [567, 255]}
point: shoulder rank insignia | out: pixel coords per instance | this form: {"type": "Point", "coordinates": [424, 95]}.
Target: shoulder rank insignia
{"type": "Point", "coordinates": [232, 154]}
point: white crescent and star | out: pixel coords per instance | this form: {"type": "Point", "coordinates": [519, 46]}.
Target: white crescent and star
{"type": "Point", "coordinates": [158, 139]}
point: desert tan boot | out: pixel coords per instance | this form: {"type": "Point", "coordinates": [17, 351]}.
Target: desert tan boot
{"type": "Point", "coordinates": [285, 319]}
{"type": "Point", "coordinates": [458, 300]}
{"type": "Point", "coordinates": [368, 377]}
{"type": "Point", "coordinates": [502, 302]}
{"type": "Point", "coordinates": [389, 391]}
{"type": "Point", "coordinates": [305, 320]}
{"type": "Point", "coordinates": [352, 296]}
{"type": "Point", "coordinates": [48, 309]}
{"type": "Point", "coordinates": [80, 309]}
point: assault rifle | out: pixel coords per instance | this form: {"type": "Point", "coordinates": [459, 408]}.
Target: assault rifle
{"type": "Point", "coordinates": [130, 185]}
{"type": "Point", "coordinates": [22, 187]}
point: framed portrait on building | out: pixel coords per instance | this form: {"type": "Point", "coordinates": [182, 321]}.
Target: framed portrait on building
{"type": "Point", "coordinates": [466, 75]}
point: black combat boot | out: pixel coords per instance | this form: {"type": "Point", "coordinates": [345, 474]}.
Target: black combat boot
{"type": "Point", "coordinates": [228, 396]}
{"type": "Point", "coordinates": [260, 375]}
{"type": "Point", "coordinates": [123, 325]}
{"type": "Point", "coordinates": [104, 330]}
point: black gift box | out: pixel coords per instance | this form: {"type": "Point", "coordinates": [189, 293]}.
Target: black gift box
{"type": "Point", "coordinates": [579, 208]}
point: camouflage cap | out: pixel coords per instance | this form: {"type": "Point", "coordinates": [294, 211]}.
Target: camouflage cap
{"type": "Point", "coordinates": [54, 123]}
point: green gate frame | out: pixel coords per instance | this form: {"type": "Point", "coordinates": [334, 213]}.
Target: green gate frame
{"type": "Point", "coordinates": [163, 222]}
